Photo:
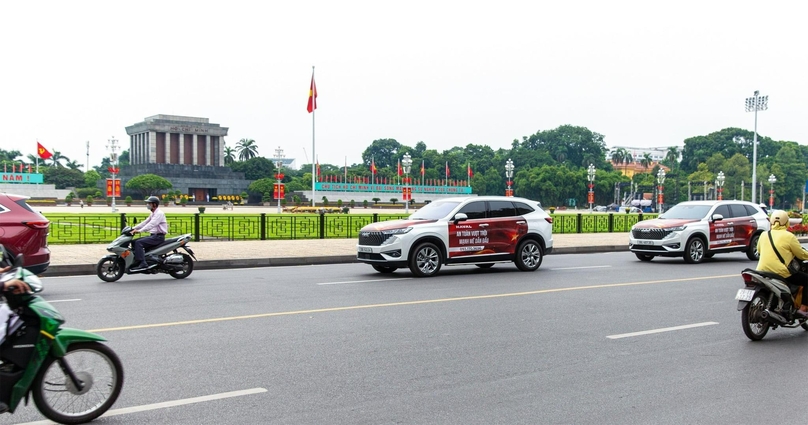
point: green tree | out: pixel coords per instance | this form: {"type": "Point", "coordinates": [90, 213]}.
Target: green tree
{"type": "Point", "coordinates": [254, 168]}
{"type": "Point", "coordinates": [246, 149]}
{"type": "Point", "coordinates": [265, 185]}
{"type": "Point", "coordinates": [385, 153]}
{"type": "Point", "coordinates": [791, 178]}
{"type": "Point", "coordinates": [91, 178]}
{"type": "Point", "coordinates": [148, 184]}
{"type": "Point", "coordinates": [57, 158]}
{"type": "Point", "coordinates": [62, 177]}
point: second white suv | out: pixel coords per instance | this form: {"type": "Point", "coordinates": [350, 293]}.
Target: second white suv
{"type": "Point", "coordinates": [697, 230]}
{"type": "Point", "coordinates": [480, 230]}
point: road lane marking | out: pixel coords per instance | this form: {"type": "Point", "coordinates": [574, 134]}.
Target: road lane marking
{"type": "Point", "coordinates": [660, 330]}
{"type": "Point", "coordinates": [364, 281]}
{"type": "Point", "coordinates": [63, 301]}
{"type": "Point", "coordinates": [404, 303]}
{"type": "Point", "coordinates": [166, 404]}
{"type": "Point", "coordinates": [579, 268]}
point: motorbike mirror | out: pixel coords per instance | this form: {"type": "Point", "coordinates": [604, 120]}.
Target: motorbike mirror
{"type": "Point", "coordinates": [460, 217]}
{"type": "Point", "coordinates": [18, 261]}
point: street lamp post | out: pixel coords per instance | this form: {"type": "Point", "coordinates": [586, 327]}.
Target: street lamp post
{"type": "Point", "coordinates": [772, 181]}
{"type": "Point", "coordinates": [590, 173]}
{"type": "Point", "coordinates": [719, 184]}
{"type": "Point", "coordinates": [755, 104]}
{"type": "Point", "coordinates": [660, 197]}
{"type": "Point", "coordinates": [279, 175]}
{"type": "Point", "coordinates": [112, 146]}
{"type": "Point", "coordinates": [406, 162]}
{"type": "Point", "coordinates": [509, 175]}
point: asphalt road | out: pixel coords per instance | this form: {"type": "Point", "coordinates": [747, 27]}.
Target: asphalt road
{"type": "Point", "coordinates": [588, 338]}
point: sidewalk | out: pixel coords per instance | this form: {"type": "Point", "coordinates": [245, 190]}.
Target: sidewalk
{"type": "Point", "coordinates": [81, 259]}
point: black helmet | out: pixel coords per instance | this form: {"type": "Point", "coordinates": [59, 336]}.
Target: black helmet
{"type": "Point", "coordinates": [153, 200]}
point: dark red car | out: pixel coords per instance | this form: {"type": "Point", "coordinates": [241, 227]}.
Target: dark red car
{"type": "Point", "coordinates": [25, 231]}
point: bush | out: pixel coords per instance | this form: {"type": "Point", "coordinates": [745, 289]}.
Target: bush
{"type": "Point", "coordinates": [394, 200]}
{"type": "Point", "coordinates": [128, 200]}
{"type": "Point", "coordinates": [352, 203]}
{"type": "Point", "coordinates": [339, 203]}
{"type": "Point", "coordinates": [376, 200]}
{"type": "Point", "coordinates": [365, 203]}
{"type": "Point", "coordinates": [89, 200]}
{"type": "Point", "coordinates": [84, 192]}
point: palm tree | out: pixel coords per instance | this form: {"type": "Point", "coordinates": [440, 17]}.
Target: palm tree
{"type": "Point", "coordinates": [229, 155]}
{"type": "Point", "coordinates": [646, 161]}
{"type": "Point", "coordinates": [73, 165]}
{"type": "Point", "coordinates": [246, 149]}
{"type": "Point", "coordinates": [672, 157]}
{"type": "Point", "coordinates": [57, 158]}
{"type": "Point", "coordinates": [618, 155]}
{"type": "Point", "coordinates": [628, 160]}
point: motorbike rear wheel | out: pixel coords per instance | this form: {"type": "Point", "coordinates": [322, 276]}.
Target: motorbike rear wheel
{"type": "Point", "coordinates": [187, 268]}
{"type": "Point", "coordinates": [99, 370]}
{"type": "Point", "coordinates": [110, 269]}
{"type": "Point", "coordinates": [753, 325]}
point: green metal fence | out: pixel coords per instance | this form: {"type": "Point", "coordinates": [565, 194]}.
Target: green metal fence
{"type": "Point", "coordinates": [103, 228]}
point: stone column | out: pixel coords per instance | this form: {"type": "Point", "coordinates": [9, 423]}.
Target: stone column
{"type": "Point", "coordinates": [221, 151]}
{"type": "Point", "coordinates": [152, 146]}
{"type": "Point", "coordinates": [168, 147]}
{"type": "Point", "coordinates": [207, 150]}
{"type": "Point", "coordinates": [182, 148]}
{"type": "Point", "coordinates": [193, 146]}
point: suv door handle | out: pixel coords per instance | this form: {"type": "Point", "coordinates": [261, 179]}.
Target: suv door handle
{"type": "Point", "coordinates": [483, 225]}
{"type": "Point", "coordinates": [521, 222]}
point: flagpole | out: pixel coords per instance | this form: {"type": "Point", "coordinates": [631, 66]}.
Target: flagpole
{"type": "Point", "coordinates": [313, 152]}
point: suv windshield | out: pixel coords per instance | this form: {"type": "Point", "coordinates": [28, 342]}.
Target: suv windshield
{"type": "Point", "coordinates": [435, 210]}
{"type": "Point", "coordinates": [692, 212]}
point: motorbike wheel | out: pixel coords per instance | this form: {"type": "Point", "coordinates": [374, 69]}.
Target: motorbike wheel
{"type": "Point", "coordinates": [187, 268]}
{"type": "Point", "coordinates": [110, 269]}
{"type": "Point", "coordinates": [384, 269]}
{"type": "Point", "coordinates": [96, 366]}
{"type": "Point", "coordinates": [753, 325]}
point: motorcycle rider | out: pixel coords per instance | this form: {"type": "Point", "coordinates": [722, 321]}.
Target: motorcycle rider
{"type": "Point", "coordinates": [7, 316]}
{"type": "Point", "coordinates": [157, 226]}
{"type": "Point", "coordinates": [789, 247]}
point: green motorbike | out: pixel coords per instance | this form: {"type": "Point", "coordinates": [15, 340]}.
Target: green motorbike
{"type": "Point", "coordinates": [72, 376]}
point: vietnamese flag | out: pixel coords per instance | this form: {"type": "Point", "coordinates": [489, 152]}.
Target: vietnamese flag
{"type": "Point", "coordinates": [423, 170]}
{"type": "Point", "coordinates": [469, 171]}
{"type": "Point", "coordinates": [447, 169]}
{"type": "Point", "coordinates": [373, 166]}
{"type": "Point", "coordinates": [312, 95]}
{"type": "Point", "coordinates": [399, 168]}
{"type": "Point", "coordinates": [43, 153]}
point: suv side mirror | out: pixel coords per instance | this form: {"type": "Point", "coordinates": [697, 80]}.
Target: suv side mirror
{"type": "Point", "coordinates": [718, 217]}
{"type": "Point", "coordinates": [460, 217]}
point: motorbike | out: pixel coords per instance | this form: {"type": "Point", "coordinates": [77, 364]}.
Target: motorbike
{"type": "Point", "coordinates": [72, 376]}
{"type": "Point", "coordinates": [768, 302]}
{"type": "Point", "coordinates": [164, 258]}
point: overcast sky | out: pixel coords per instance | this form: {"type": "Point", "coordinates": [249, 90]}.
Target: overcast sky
{"type": "Point", "coordinates": [447, 73]}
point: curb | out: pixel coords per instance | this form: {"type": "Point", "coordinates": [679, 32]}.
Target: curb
{"type": "Point", "coordinates": [89, 269]}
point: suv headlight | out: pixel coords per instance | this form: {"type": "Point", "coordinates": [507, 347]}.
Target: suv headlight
{"type": "Point", "coordinates": [401, 231]}
{"type": "Point", "coordinates": [677, 229]}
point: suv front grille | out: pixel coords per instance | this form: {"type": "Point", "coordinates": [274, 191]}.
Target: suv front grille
{"type": "Point", "coordinates": [371, 238]}
{"type": "Point", "coordinates": [653, 234]}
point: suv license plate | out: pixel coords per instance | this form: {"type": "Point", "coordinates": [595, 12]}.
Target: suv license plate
{"type": "Point", "coordinates": [744, 295]}
{"type": "Point", "coordinates": [364, 249]}
{"type": "Point", "coordinates": [642, 242]}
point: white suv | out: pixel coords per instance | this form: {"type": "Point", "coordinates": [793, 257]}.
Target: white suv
{"type": "Point", "coordinates": [697, 230]}
{"type": "Point", "coordinates": [480, 230]}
